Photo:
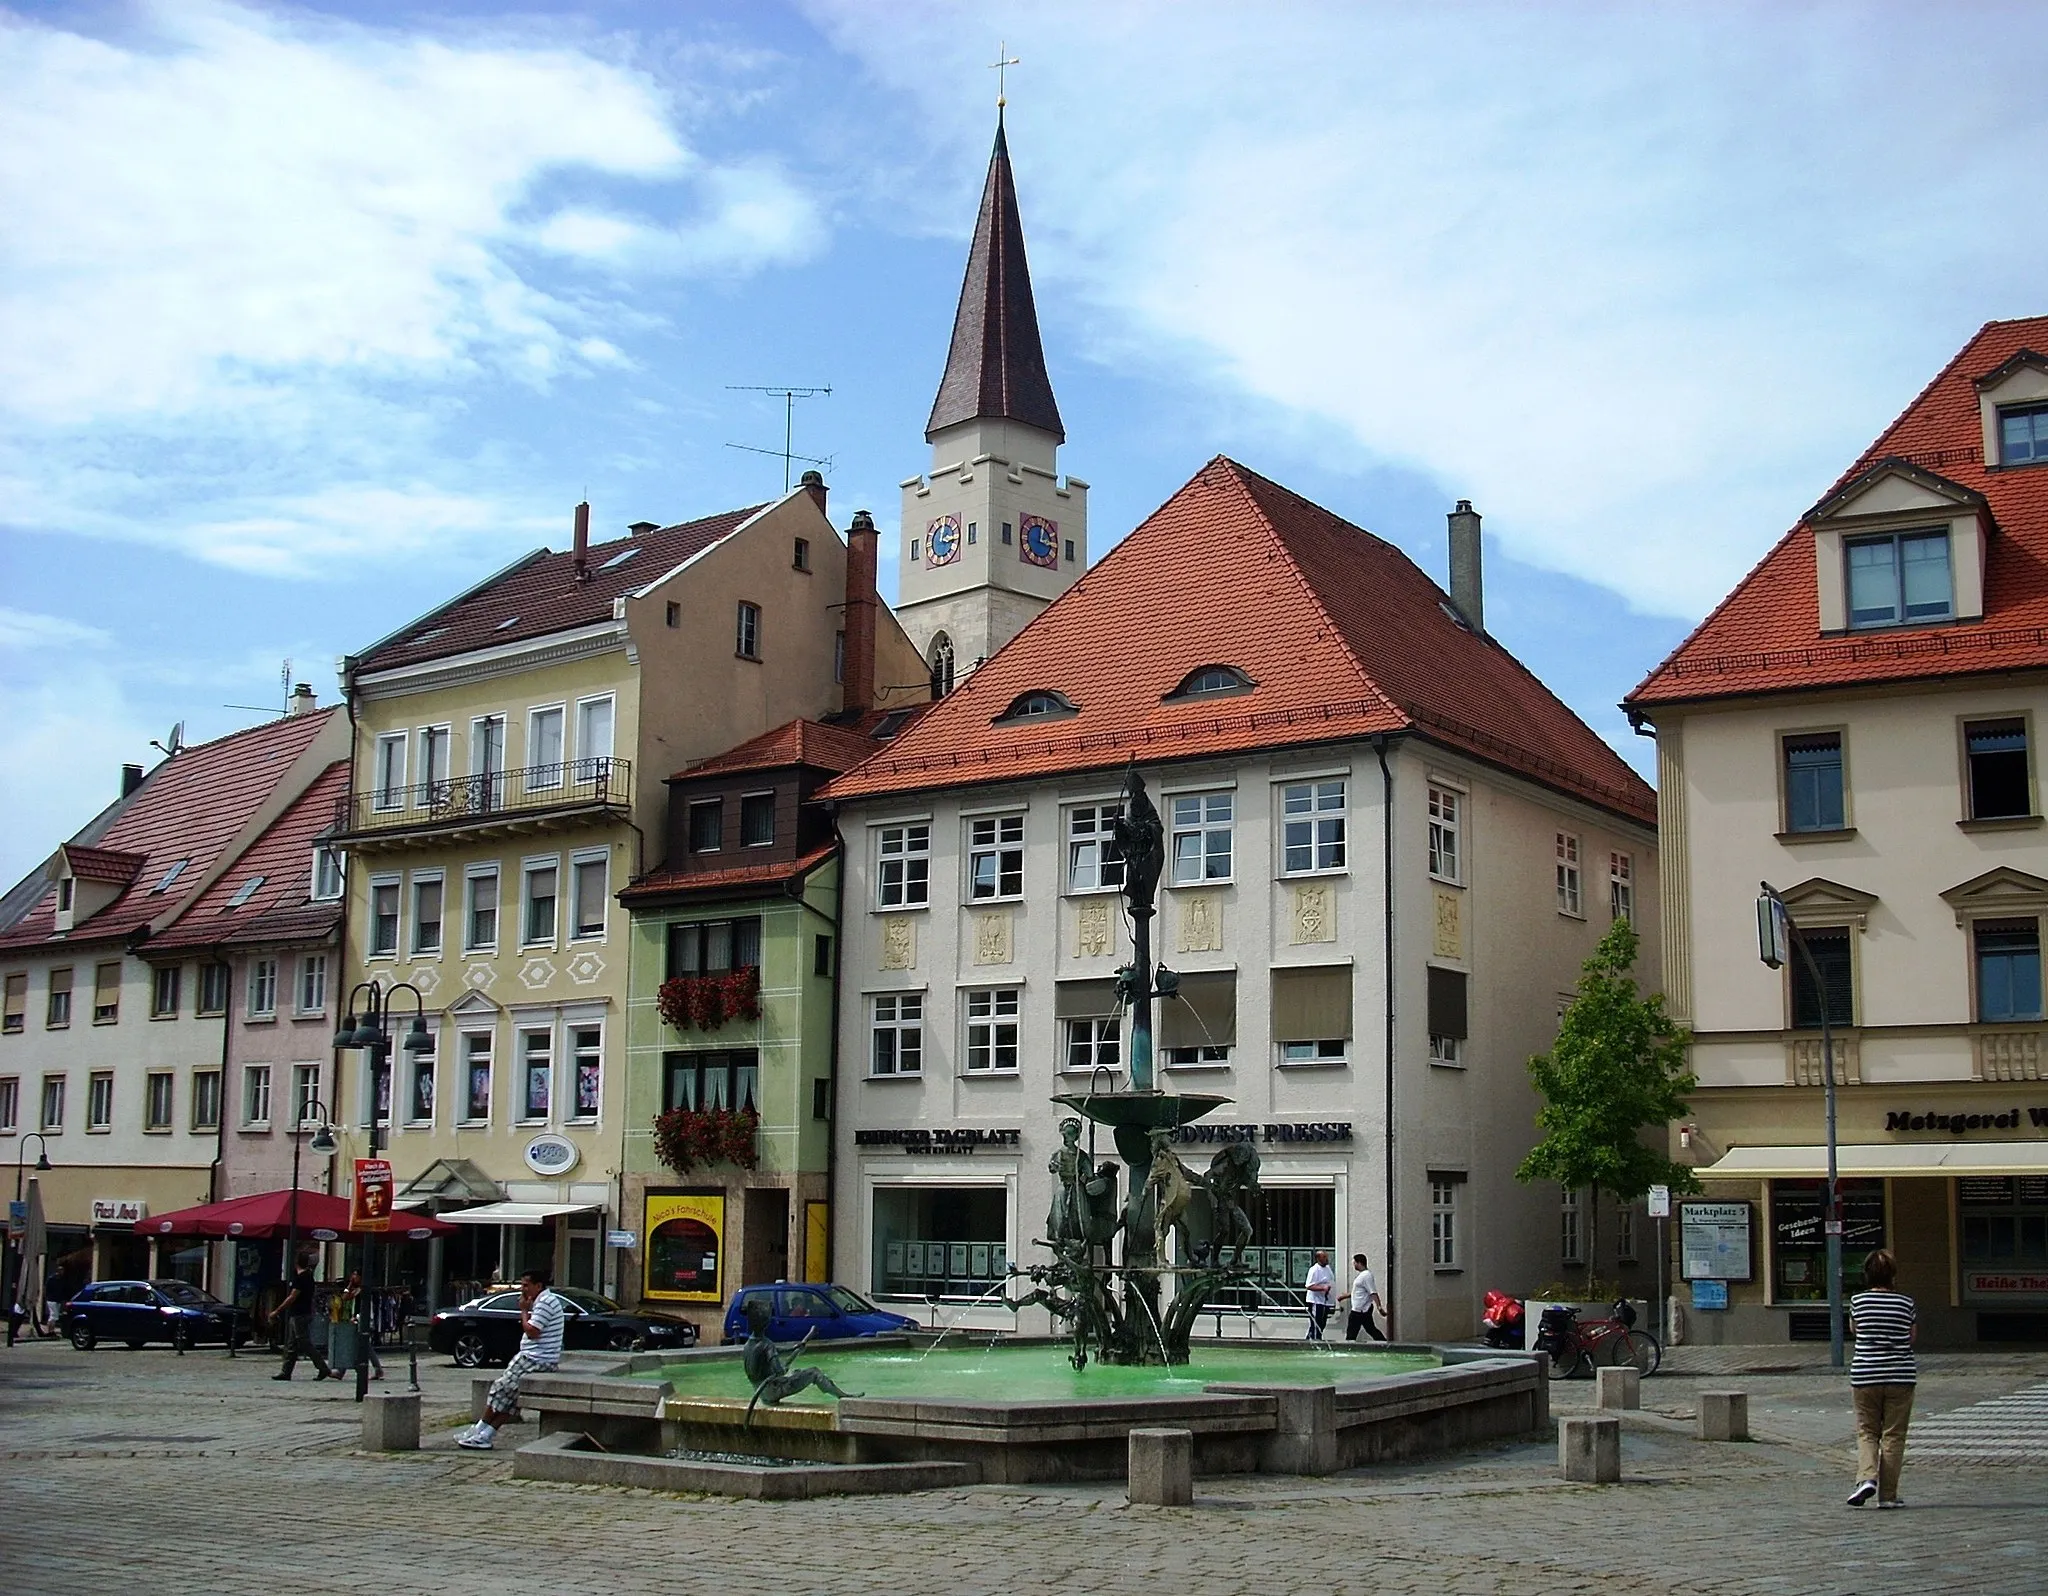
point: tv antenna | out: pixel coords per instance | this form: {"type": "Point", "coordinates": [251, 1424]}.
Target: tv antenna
{"type": "Point", "coordinates": [789, 397]}
{"type": "Point", "coordinates": [284, 676]}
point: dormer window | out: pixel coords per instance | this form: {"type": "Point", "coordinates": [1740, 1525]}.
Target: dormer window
{"type": "Point", "coordinates": [1899, 579]}
{"type": "Point", "coordinates": [1212, 681]}
{"type": "Point", "coordinates": [64, 889]}
{"type": "Point", "coordinates": [2023, 435]}
{"type": "Point", "coordinates": [1038, 704]}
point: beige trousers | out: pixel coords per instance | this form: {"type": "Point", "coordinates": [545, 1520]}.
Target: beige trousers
{"type": "Point", "coordinates": [1882, 1413]}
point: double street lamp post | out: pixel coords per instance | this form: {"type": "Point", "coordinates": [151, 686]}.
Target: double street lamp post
{"type": "Point", "coordinates": [18, 1252]}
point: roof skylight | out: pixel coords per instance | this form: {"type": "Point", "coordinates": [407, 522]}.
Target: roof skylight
{"type": "Point", "coordinates": [171, 875]}
{"type": "Point", "coordinates": [618, 559]}
{"type": "Point", "coordinates": [1039, 704]}
{"type": "Point", "coordinates": [245, 892]}
{"type": "Point", "coordinates": [506, 624]}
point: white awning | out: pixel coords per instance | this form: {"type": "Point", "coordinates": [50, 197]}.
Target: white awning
{"type": "Point", "coordinates": [515, 1213]}
{"type": "Point", "coordinates": [1940, 1159]}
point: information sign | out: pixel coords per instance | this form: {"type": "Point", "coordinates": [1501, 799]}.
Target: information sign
{"type": "Point", "coordinates": [1714, 1241]}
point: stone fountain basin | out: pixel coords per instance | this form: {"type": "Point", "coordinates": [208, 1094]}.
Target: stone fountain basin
{"type": "Point", "coordinates": [1142, 1110]}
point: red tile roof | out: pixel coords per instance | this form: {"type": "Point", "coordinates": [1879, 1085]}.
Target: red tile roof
{"type": "Point", "coordinates": [189, 807]}
{"type": "Point", "coordinates": [102, 864]}
{"type": "Point", "coordinates": [796, 742]}
{"type": "Point", "coordinates": [763, 878]}
{"type": "Point", "coordinates": [282, 909]}
{"type": "Point", "coordinates": [1342, 633]}
{"type": "Point", "coordinates": [1765, 636]}
{"type": "Point", "coordinates": [539, 594]}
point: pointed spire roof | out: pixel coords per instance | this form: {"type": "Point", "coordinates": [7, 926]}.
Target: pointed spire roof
{"type": "Point", "coordinates": [996, 367]}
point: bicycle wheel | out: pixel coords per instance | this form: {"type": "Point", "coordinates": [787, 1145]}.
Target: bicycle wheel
{"type": "Point", "coordinates": [1566, 1362]}
{"type": "Point", "coordinates": [1638, 1348]}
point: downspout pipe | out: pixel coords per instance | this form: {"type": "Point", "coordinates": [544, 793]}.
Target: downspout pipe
{"type": "Point", "coordinates": [800, 891]}
{"type": "Point", "coordinates": [1379, 748]}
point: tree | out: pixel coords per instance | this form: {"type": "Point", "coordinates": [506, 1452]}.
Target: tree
{"type": "Point", "coordinates": [1617, 1068]}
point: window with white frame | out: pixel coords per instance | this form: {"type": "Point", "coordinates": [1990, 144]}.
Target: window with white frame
{"type": "Point", "coordinates": [1569, 899]}
{"type": "Point", "coordinates": [757, 820]}
{"type": "Point", "coordinates": [10, 1103]}
{"type": "Point", "coordinates": [384, 919]}
{"type": "Point", "coordinates": [435, 744]}
{"type": "Point", "coordinates": [542, 885]}
{"type": "Point", "coordinates": [330, 870]}
{"type": "Point", "coordinates": [487, 760]}
{"type": "Point", "coordinates": [1448, 991]}
{"type": "Point", "coordinates": [57, 1012]}
{"type": "Point", "coordinates": [390, 771]}
{"type": "Point", "coordinates": [262, 988]}
{"type": "Point", "coordinates": [480, 916]}
{"type": "Point", "coordinates": [593, 737]}
{"type": "Point", "coordinates": [419, 1099]}
{"type": "Point", "coordinates": [106, 993]}
{"type": "Point", "coordinates": [1571, 1234]}
{"type": "Point", "coordinates": [586, 1071]}
{"type": "Point", "coordinates": [992, 1030]}
{"type": "Point", "coordinates": [158, 1100]}
{"type": "Point", "coordinates": [707, 824]}
{"type": "Point", "coordinates": [1621, 887]}
{"type": "Point", "coordinates": [426, 915]}
{"type": "Point", "coordinates": [1094, 863]}
{"type": "Point", "coordinates": [545, 729]}
{"type": "Point", "coordinates": [995, 856]}
{"type": "Point", "coordinates": [896, 1034]}
{"type": "Point", "coordinates": [255, 1096]}
{"type": "Point", "coordinates": [1443, 1222]}
{"type": "Point", "coordinates": [1311, 827]}
{"type": "Point", "coordinates": [305, 1094]}
{"type": "Point", "coordinates": [53, 1103]}
{"type": "Point", "coordinates": [313, 983]}
{"type": "Point", "coordinates": [206, 1100]}
{"type": "Point", "coordinates": [164, 982]}
{"type": "Point", "coordinates": [99, 1101]}
{"type": "Point", "coordinates": [591, 878]}
{"type": "Point", "coordinates": [1202, 836]}
{"type": "Point", "coordinates": [1445, 821]}
{"type": "Point", "coordinates": [477, 1048]}
{"type": "Point", "coordinates": [536, 1074]}
{"type": "Point", "coordinates": [1095, 1043]}
{"type": "Point", "coordinates": [747, 631]}
{"type": "Point", "coordinates": [903, 866]}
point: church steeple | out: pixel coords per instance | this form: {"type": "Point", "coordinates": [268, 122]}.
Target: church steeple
{"type": "Point", "coordinates": [995, 369]}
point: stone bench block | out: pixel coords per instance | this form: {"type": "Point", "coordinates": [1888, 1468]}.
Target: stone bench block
{"type": "Point", "coordinates": [1162, 1468]}
{"type": "Point", "coordinates": [391, 1421]}
{"type": "Point", "coordinates": [1620, 1388]}
{"type": "Point", "coordinates": [1589, 1449]}
{"type": "Point", "coordinates": [1724, 1416]}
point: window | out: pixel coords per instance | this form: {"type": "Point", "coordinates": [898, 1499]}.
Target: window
{"type": "Point", "coordinates": [435, 743]}
{"type": "Point", "coordinates": [2023, 435]}
{"type": "Point", "coordinates": [1447, 1050]}
{"type": "Point", "coordinates": [707, 825]}
{"type": "Point", "coordinates": [1312, 827]}
{"type": "Point", "coordinates": [710, 1080]}
{"type": "Point", "coordinates": [1999, 782]}
{"type": "Point", "coordinates": [541, 883]}
{"type": "Point", "coordinates": [624, 556]}
{"type": "Point", "coordinates": [256, 1096]}
{"type": "Point", "coordinates": [1312, 1014]}
{"type": "Point", "coordinates": [245, 892]}
{"type": "Point", "coordinates": [487, 760]}
{"type": "Point", "coordinates": [1829, 946]}
{"type": "Point", "coordinates": [1568, 893]}
{"type": "Point", "coordinates": [544, 730]}
{"type": "Point", "coordinates": [586, 1061]}
{"type": "Point", "coordinates": [65, 887]}
{"type": "Point", "coordinates": [390, 772]}
{"type": "Point", "coordinates": [1899, 579]}
{"type": "Point", "coordinates": [426, 915]}
{"type": "Point", "coordinates": [476, 1077]}
{"type": "Point", "coordinates": [329, 872]}
{"type": "Point", "coordinates": [1621, 887]}
{"type": "Point", "coordinates": [995, 857]}
{"type": "Point", "coordinates": [592, 880]}
{"type": "Point", "coordinates": [1571, 1247]}
{"type": "Point", "coordinates": [1447, 1023]}
{"type": "Point", "coordinates": [1201, 840]}
{"type": "Point", "coordinates": [1210, 681]}
{"type": "Point", "coordinates": [991, 1029]}
{"type": "Point", "coordinates": [1443, 833]}
{"type": "Point", "coordinates": [164, 883]}
{"type": "Point", "coordinates": [1094, 1043]}
{"type": "Point", "coordinates": [1443, 1222]}
{"type": "Point", "coordinates": [1094, 863]}
{"type": "Point", "coordinates": [2008, 970]}
{"type": "Point", "coordinates": [213, 989]}
{"type": "Point", "coordinates": [1625, 1233]}
{"type": "Point", "coordinates": [262, 988]}
{"type": "Point", "coordinates": [939, 1241]}
{"type": "Point", "coordinates": [16, 1014]}
{"type": "Point", "coordinates": [896, 1032]}
{"type": "Point", "coordinates": [1039, 704]}
{"type": "Point", "coordinates": [748, 642]}
{"type": "Point", "coordinates": [1813, 783]}
{"type": "Point", "coordinates": [53, 1103]}
{"type": "Point", "coordinates": [942, 665]}
{"type": "Point", "coordinates": [757, 820]}
{"type": "Point", "coordinates": [99, 1101]}
{"type": "Point", "coordinates": [10, 1104]}
{"type": "Point", "coordinates": [713, 947]}
{"type": "Point", "coordinates": [480, 930]}
{"type": "Point", "coordinates": [419, 1101]}
{"type": "Point", "coordinates": [903, 871]}
{"type": "Point", "coordinates": [313, 983]}
{"type": "Point", "coordinates": [57, 1014]}
{"type": "Point", "coordinates": [674, 613]}
{"type": "Point", "coordinates": [205, 1100]}
{"type": "Point", "coordinates": [800, 555]}
{"type": "Point", "coordinates": [305, 1093]}
{"type": "Point", "coordinates": [106, 994]}
{"type": "Point", "coordinates": [593, 738]}
{"type": "Point", "coordinates": [164, 982]}
{"type": "Point", "coordinates": [536, 1074]}
{"type": "Point", "coordinates": [1195, 1056]}
{"type": "Point", "coordinates": [1328, 1050]}
{"type": "Point", "coordinates": [384, 919]}
{"type": "Point", "coordinates": [157, 1094]}
{"type": "Point", "coordinates": [1070, 551]}
{"type": "Point", "coordinates": [821, 955]}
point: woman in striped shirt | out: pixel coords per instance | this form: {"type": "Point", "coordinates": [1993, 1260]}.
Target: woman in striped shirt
{"type": "Point", "coordinates": [1881, 1377]}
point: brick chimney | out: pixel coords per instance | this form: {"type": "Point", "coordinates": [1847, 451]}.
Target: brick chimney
{"type": "Point", "coordinates": [583, 541]}
{"type": "Point", "coordinates": [303, 702]}
{"type": "Point", "coordinates": [863, 546]}
{"type": "Point", "coordinates": [813, 484]}
{"type": "Point", "coordinates": [1467, 590]}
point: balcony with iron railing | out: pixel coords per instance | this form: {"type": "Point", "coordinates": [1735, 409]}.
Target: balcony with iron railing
{"type": "Point", "coordinates": [496, 803]}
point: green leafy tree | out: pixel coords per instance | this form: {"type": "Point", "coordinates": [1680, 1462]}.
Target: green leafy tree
{"type": "Point", "coordinates": [1617, 1069]}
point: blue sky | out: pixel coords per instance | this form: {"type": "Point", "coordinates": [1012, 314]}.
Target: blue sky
{"type": "Point", "coordinates": [308, 317]}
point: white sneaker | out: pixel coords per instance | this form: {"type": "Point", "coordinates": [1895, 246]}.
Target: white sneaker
{"type": "Point", "coordinates": [1865, 1490]}
{"type": "Point", "coordinates": [474, 1439]}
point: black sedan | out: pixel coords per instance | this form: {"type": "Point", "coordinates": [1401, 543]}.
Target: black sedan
{"type": "Point", "coordinates": [141, 1311]}
{"type": "Point", "coordinates": [486, 1330]}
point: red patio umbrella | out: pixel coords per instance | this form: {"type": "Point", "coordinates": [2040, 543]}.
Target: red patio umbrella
{"type": "Point", "coordinates": [267, 1216]}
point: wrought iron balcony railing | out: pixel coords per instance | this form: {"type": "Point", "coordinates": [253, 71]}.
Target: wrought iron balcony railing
{"type": "Point", "coordinates": [505, 796]}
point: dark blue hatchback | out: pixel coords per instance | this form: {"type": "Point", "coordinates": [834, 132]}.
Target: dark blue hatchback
{"type": "Point", "coordinates": [824, 1313]}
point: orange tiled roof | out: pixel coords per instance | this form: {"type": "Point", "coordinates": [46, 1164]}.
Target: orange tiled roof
{"type": "Point", "coordinates": [1342, 633]}
{"type": "Point", "coordinates": [796, 742]}
{"type": "Point", "coordinates": [765, 877]}
{"type": "Point", "coordinates": [282, 908]}
{"type": "Point", "coordinates": [102, 864]}
{"type": "Point", "coordinates": [1765, 636]}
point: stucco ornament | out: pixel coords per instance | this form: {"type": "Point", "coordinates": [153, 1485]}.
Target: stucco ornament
{"type": "Point", "coordinates": [899, 943]}
{"type": "Point", "coordinates": [1201, 923]}
{"type": "Point", "coordinates": [1091, 928]}
{"type": "Point", "coordinates": [1315, 913]}
{"type": "Point", "coordinates": [479, 976]}
{"type": "Point", "coordinates": [536, 973]}
{"type": "Point", "coordinates": [427, 978]}
{"type": "Point", "coordinates": [585, 968]}
{"type": "Point", "coordinates": [992, 943]}
{"type": "Point", "coordinates": [1450, 940]}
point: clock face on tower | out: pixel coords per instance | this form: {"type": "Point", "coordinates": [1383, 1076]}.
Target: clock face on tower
{"type": "Point", "coordinates": [942, 540]}
{"type": "Point", "coordinates": [1039, 541]}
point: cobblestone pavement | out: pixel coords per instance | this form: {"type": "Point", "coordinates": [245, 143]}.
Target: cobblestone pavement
{"type": "Point", "coordinates": [211, 1477]}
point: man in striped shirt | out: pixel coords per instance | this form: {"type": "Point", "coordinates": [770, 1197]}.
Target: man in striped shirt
{"type": "Point", "coordinates": [1881, 1378]}
{"type": "Point", "coordinates": [540, 1349]}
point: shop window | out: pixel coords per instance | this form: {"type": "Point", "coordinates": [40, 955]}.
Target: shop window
{"type": "Point", "coordinates": [947, 1241]}
{"type": "Point", "coordinates": [586, 1061]}
{"type": "Point", "coordinates": [419, 1104]}
{"type": "Point", "coordinates": [477, 1048]}
{"type": "Point", "coordinates": [757, 820]}
{"type": "Point", "coordinates": [896, 1035]}
{"type": "Point", "coordinates": [684, 1240]}
{"type": "Point", "coordinates": [995, 857]}
{"type": "Point", "coordinates": [1799, 1248]}
{"type": "Point", "coordinates": [1831, 952]}
{"type": "Point", "coordinates": [536, 1075]}
{"type": "Point", "coordinates": [1570, 898]}
{"type": "Point", "coordinates": [213, 989]}
{"type": "Point", "coordinates": [1203, 837]}
{"type": "Point", "coordinates": [164, 982]}
{"type": "Point", "coordinates": [1445, 823]}
{"type": "Point", "coordinates": [106, 994]}
{"type": "Point", "coordinates": [1094, 863]}
{"type": "Point", "coordinates": [1312, 827]}
{"type": "Point", "coordinates": [727, 1078]}
{"type": "Point", "coordinates": [16, 1014]}
{"type": "Point", "coordinates": [1292, 1224]}
{"type": "Point", "coordinates": [2004, 1235]}
{"type": "Point", "coordinates": [157, 1100]}
{"type": "Point", "coordinates": [1999, 784]}
{"type": "Point", "coordinates": [57, 1014]}
{"type": "Point", "coordinates": [903, 866]}
{"type": "Point", "coordinates": [713, 947]}
{"type": "Point", "coordinates": [992, 1030]}
{"type": "Point", "coordinates": [2008, 970]}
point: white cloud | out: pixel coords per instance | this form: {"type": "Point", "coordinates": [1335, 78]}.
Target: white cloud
{"type": "Point", "coordinates": [23, 629]}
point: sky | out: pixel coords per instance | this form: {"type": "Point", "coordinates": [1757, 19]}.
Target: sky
{"type": "Point", "coordinates": [310, 317]}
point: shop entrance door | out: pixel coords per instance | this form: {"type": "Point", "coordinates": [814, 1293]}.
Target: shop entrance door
{"type": "Point", "coordinates": [766, 1256]}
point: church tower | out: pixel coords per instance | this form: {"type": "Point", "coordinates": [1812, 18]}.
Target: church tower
{"type": "Point", "coordinates": [992, 534]}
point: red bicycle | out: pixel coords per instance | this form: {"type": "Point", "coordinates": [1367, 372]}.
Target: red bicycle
{"type": "Point", "coordinates": [1575, 1348]}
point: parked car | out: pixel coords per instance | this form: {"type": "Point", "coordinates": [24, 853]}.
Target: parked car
{"type": "Point", "coordinates": [823, 1312]}
{"type": "Point", "coordinates": [486, 1329]}
{"type": "Point", "coordinates": [141, 1311]}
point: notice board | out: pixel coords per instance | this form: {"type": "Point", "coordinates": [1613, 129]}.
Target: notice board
{"type": "Point", "coordinates": [1714, 1240]}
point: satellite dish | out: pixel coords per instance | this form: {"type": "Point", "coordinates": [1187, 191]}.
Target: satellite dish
{"type": "Point", "coordinates": [174, 745]}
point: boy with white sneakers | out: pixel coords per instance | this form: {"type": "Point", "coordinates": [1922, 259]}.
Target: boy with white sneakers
{"type": "Point", "coordinates": [540, 1350]}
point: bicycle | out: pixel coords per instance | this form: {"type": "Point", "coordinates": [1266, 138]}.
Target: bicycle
{"type": "Point", "coordinates": [1575, 1348]}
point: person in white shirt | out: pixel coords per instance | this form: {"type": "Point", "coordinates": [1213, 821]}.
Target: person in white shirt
{"type": "Point", "coordinates": [1365, 1297]}
{"type": "Point", "coordinates": [540, 1349]}
{"type": "Point", "coordinates": [1321, 1290]}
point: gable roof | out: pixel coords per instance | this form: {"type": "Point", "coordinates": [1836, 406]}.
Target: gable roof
{"type": "Point", "coordinates": [1343, 634]}
{"type": "Point", "coordinates": [282, 908]}
{"type": "Point", "coordinates": [102, 864]}
{"type": "Point", "coordinates": [796, 742]}
{"type": "Point", "coordinates": [1765, 635]}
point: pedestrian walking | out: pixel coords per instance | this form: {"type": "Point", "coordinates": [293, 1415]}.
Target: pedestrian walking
{"type": "Point", "coordinates": [1321, 1289]}
{"type": "Point", "coordinates": [297, 1310]}
{"type": "Point", "coordinates": [366, 1325]}
{"type": "Point", "coordinates": [1365, 1298]}
{"type": "Point", "coordinates": [540, 1349]}
{"type": "Point", "coordinates": [1882, 1375]}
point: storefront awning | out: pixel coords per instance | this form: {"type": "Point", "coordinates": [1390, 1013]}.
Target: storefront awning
{"type": "Point", "coordinates": [1940, 1159]}
{"type": "Point", "coordinates": [515, 1213]}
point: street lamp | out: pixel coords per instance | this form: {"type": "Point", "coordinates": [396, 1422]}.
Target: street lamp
{"type": "Point", "coordinates": [1777, 935]}
{"type": "Point", "coordinates": [19, 1251]}
{"type": "Point", "coordinates": [323, 1144]}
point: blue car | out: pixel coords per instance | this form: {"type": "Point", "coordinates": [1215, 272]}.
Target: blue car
{"type": "Point", "coordinates": [141, 1311]}
{"type": "Point", "coordinates": [824, 1313]}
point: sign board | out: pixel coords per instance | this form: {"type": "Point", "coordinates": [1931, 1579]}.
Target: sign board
{"type": "Point", "coordinates": [324, 1234]}
{"type": "Point", "coordinates": [369, 1204]}
{"type": "Point", "coordinates": [1797, 1219]}
{"type": "Point", "coordinates": [17, 1221]}
{"type": "Point", "coordinates": [619, 1238]}
{"type": "Point", "coordinates": [685, 1241]}
{"type": "Point", "coordinates": [118, 1211]}
{"type": "Point", "coordinates": [1714, 1241]}
{"type": "Point", "coordinates": [1710, 1294]}
{"type": "Point", "coordinates": [550, 1154]}
{"type": "Point", "coordinates": [1660, 1202]}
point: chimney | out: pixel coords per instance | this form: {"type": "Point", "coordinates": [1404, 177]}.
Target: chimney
{"type": "Point", "coordinates": [1467, 588]}
{"type": "Point", "coordinates": [131, 778]}
{"type": "Point", "coordinates": [640, 529]}
{"type": "Point", "coordinates": [583, 541]}
{"type": "Point", "coordinates": [814, 484]}
{"type": "Point", "coordinates": [862, 546]}
{"type": "Point", "coordinates": [303, 702]}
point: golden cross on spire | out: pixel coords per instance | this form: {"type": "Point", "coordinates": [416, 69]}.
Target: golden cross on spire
{"type": "Point", "coordinates": [1000, 67]}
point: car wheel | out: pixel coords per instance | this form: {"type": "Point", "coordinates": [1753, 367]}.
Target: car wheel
{"type": "Point", "coordinates": [469, 1350]}
{"type": "Point", "coordinates": [628, 1341]}
{"type": "Point", "coordinates": [83, 1339]}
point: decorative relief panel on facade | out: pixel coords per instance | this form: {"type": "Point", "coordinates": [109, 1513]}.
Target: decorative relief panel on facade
{"type": "Point", "coordinates": [427, 978]}
{"type": "Point", "coordinates": [1315, 913]}
{"type": "Point", "coordinates": [1091, 928]}
{"type": "Point", "coordinates": [536, 973]}
{"type": "Point", "coordinates": [899, 943]}
{"type": "Point", "coordinates": [2009, 1056]}
{"type": "Point", "coordinates": [992, 938]}
{"type": "Point", "coordinates": [1450, 937]}
{"type": "Point", "coordinates": [479, 976]}
{"type": "Point", "coordinates": [1201, 922]}
{"type": "Point", "coordinates": [585, 968]}
{"type": "Point", "coordinates": [1805, 1062]}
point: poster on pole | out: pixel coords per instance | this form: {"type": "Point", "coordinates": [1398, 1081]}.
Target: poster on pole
{"type": "Point", "coordinates": [369, 1204]}
{"type": "Point", "coordinates": [1714, 1241]}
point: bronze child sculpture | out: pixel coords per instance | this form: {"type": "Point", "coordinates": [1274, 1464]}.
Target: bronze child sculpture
{"type": "Point", "coordinates": [774, 1380]}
